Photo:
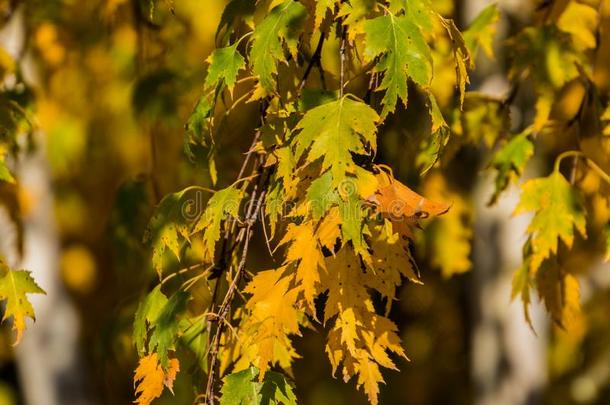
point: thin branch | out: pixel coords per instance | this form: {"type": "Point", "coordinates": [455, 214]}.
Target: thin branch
{"type": "Point", "coordinates": [342, 59]}
{"type": "Point", "coordinates": [250, 220]}
{"type": "Point", "coordinates": [314, 61]}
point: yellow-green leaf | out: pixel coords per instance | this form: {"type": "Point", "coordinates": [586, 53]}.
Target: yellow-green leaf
{"type": "Point", "coordinates": [403, 53]}
{"type": "Point", "coordinates": [557, 211]}
{"type": "Point", "coordinates": [223, 203]}
{"type": "Point", "coordinates": [14, 285]}
{"type": "Point", "coordinates": [335, 130]}
{"type": "Point", "coordinates": [225, 64]}
{"type": "Point", "coordinates": [282, 26]}
{"type": "Point", "coordinates": [509, 162]}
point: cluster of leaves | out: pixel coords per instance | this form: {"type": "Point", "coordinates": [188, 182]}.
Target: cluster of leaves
{"type": "Point", "coordinates": [557, 56]}
{"type": "Point", "coordinates": [342, 224]}
{"type": "Point", "coordinates": [14, 124]}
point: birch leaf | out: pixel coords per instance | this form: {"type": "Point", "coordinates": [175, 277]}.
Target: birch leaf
{"type": "Point", "coordinates": [282, 26]}
{"type": "Point", "coordinates": [168, 229]}
{"type": "Point", "coordinates": [334, 131]}
{"type": "Point", "coordinates": [14, 285]}
{"type": "Point", "coordinates": [509, 162]}
{"type": "Point", "coordinates": [404, 54]}
{"type": "Point", "coordinates": [225, 64]}
{"type": "Point", "coordinates": [243, 388]}
{"type": "Point", "coordinates": [306, 252]}
{"type": "Point", "coordinates": [150, 378]}
{"type": "Point", "coordinates": [557, 211]}
{"type": "Point", "coordinates": [224, 203]}
{"type": "Point", "coordinates": [146, 315]}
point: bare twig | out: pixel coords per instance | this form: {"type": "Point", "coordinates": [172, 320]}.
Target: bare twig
{"type": "Point", "coordinates": [251, 218]}
{"type": "Point", "coordinates": [314, 61]}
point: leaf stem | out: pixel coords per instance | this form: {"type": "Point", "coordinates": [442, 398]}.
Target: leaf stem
{"type": "Point", "coordinates": [182, 271]}
{"type": "Point", "coordinates": [580, 154]}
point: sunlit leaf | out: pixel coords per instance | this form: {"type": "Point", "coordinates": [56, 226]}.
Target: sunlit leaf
{"type": "Point", "coordinates": [403, 53]}
{"type": "Point", "coordinates": [557, 211]}
{"type": "Point", "coordinates": [150, 378]}
{"type": "Point", "coordinates": [281, 26]}
{"type": "Point", "coordinates": [14, 287]}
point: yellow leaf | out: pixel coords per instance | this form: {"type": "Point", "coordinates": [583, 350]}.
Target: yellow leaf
{"type": "Point", "coordinates": [150, 378]}
{"type": "Point", "coordinates": [369, 376]}
{"type": "Point", "coordinates": [390, 261]}
{"type": "Point", "coordinates": [305, 251]}
{"type": "Point", "coordinates": [345, 282]}
{"type": "Point", "coordinates": [462, 57]}
{"type": "Point", "coordinates": [544, 103]}
{"type": "Point", "coordinates": [560, 293]}
{"type": "Point", "coordinates": [329, 229]}
{"type": "Point", "coordinates": [359, 340]}
{"type": "Point", "coordinates": [580, 20]}
{"type": "Point", "coordinates": [272, 318]}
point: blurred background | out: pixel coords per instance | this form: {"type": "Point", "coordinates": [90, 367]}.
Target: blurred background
{"type": "Point", "coordinates": [103, 89]}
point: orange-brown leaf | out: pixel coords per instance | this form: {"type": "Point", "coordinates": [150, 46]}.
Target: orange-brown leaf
{"type": "Point", "coordinates": [150, 377]}
{"type": "Point", "coordinates": [403, 206]}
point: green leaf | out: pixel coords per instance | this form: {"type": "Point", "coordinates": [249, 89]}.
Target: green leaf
{"type": "Point", "coordinates": [432, 146]}
{"type": "Point", "coordinates": [166, 328]}
{"type": "Point", "coordinates": [223, 203]}
{"type": "Point", "coordinates": [198, 124]}
{"type": "Point", "coordinates": [225, 64]}
{"type": "Point", "coordinates": [243, 388]}
{"type": "Point", "coordinates": [168, 229]}
{"type": "Point", "coordinates": [14, 285]}
{"type": "Point", "coordinates": [557, 211]}
{"type": "Point", "coordinates": [147, 314]}
{"type": "Point", "coordinates": [194, 336]}
{"type": "Point", "coordinates": [403, 53]}
{"type": "Point", "coordinates": [282, 26]}
{"type": "Point", "coordinates": [510, 160]}
{"type": "Point", "coordinates": [334, 131]}
{"type": "Point", "coordinates": [277, 389]}
{"type": "Point", "coordinates": [481, 31]}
